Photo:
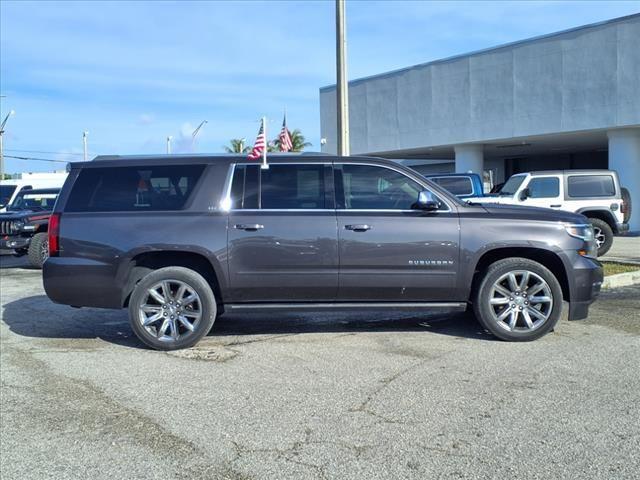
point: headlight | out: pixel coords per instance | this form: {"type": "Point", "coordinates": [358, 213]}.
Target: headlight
{"type": "Point", "coordinates": [582, 231]}
{"type": "Point", "coordinates": [17, 225]}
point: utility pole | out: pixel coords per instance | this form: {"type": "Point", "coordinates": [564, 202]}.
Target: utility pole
{"type": "Point", "coordinates": [4, 122]}
{"type": "Point", "coordinates": [84, 144]}
{"type": "Point", "coordinates": [342, 87]}
{"type": "Point", "coordinates": [169, 144]}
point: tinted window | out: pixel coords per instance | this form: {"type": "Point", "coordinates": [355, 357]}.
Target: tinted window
{"type": "Point", "coordinates": [371, 187]}
{"type": "Point", "coordinates": [591, 186]}
{"type": "Point", "coordinates": [456, 185]}
{"type": "Point", "coordinates": [127, 189]}
{"type": "Point", "coordinates": [293, 187]}
{"type": "Point", "coordinates": [5, 193]}
{"type": "Point", "coordinates": [245, 186]}
{"type": "Point", "coordinates": [545, 187]}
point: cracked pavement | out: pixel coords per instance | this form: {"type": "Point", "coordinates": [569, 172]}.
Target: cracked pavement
{"type": "Point", "coordinates": [331, 396]}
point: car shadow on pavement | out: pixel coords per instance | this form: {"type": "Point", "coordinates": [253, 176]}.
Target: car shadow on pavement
{"type": "Point", "coordinates": [38, 317]}
{"type": "Point", "coordinates": [462, 325]}
{"type": "Point", "coordinates": [8, 261]}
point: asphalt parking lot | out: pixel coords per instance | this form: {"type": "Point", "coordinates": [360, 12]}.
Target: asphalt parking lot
{"type": "Point", "coordinates": [315, 396]}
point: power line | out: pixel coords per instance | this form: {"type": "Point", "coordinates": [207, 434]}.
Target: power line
{"type": "Point", "coordinates": [37, 159]}
{"type": "Point", "coordinates": [41, 151]}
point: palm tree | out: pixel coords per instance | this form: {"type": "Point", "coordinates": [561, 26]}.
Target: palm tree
{"type": "Point", "coordinates": [237, 145]}
{"type": "Point", "coordinates": [297, 140]}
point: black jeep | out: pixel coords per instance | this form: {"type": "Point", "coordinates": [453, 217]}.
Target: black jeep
{"type": "Point", "coordinates": [24, 227]}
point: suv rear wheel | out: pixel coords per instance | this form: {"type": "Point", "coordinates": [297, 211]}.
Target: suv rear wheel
{"type": "Point", "coordinates": [518, 300]}
{"type": "Point", "coordinates": [603, 235]}
{"type": "Point", "coordinates": [172, 308]}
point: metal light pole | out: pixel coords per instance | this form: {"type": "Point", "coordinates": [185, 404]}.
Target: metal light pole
{"type": "Point", "coordinates": [84, 144]}
{"type": "Point", "coordinates": [169, 138]}
{"type": "Point", "coordinates": [342, 87]}
{"type": "Point", "coordinates": [195, 133]}
{"type": "Point", "coordinates": [4, 122]}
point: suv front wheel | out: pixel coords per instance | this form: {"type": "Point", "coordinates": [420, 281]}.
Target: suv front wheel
{"type": "Point", "coordinates": [172, 308]}
{"type": "Point", "coordinates": [518, 300]}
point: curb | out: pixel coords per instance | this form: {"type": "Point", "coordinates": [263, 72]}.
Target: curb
{"type": "Point", "coordinates": [621, 280]}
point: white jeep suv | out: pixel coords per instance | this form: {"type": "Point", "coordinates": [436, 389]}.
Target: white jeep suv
{"type": "Point", "coordinates": [596, 194]}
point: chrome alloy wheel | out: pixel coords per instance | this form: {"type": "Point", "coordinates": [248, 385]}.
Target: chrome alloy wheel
{"type": "Point", "coordinates": [170, 310]}
{"type": "Point", "coordinates": [599, 236]}
{"type": "Point", "coordinates": [520, 301]}
{"type": "Point", "coordinates": [44, 250]}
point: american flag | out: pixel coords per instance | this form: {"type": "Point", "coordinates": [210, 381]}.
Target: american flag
{"type": "Point", "coordinates": [284, 137]}
{"type": "Point", "coordinates": [259, 146]}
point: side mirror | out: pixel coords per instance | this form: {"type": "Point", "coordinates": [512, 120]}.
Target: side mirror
{"type": "Point", "coordinates": [426, 201]}
{"type": "Point", "coordinates": [524, 194]}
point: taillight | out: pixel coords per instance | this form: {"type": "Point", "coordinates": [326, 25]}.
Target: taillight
{"type": "Point", "coordinates": [54, 234]}
{"type": "Point", "coordinates": [623, 207]}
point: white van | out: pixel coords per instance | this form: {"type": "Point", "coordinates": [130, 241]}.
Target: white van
{"type": "Point", "coordinates": [9, 189]}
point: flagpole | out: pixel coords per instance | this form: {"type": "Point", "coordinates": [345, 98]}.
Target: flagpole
{"type": "Point", "coordinates": [265, 165]}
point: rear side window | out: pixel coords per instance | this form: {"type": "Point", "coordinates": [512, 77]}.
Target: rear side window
{"type": "Point", "coordinates": [544, 187]}
{"type": "Point", "coordinates": [456, 185]}
{"type": "Point", "coordinates": [130, 189]}
{"type": "Point", "coordinates": [591, 186]}
{"type": "Point", "coordinates": [280, 187]}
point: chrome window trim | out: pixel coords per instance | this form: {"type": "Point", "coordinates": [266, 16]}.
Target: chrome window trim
{"type": "Point", "coordinates": [225, 201]}
{"type": "Point", "coordinates": [397, 170]}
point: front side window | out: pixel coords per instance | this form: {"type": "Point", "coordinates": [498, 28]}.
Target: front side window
{"type": "Point", "coordinates": [280, 187]}
{"type": "Point", "coordinates": [545, 187]}
{"type": "Point", "coordinates": [368, 187]}
{"type": "Point", "coordinates": [130, 189]}
{"type": "Point", "coordinates": [591, 186]}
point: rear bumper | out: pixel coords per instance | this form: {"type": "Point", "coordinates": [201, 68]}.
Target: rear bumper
{"type": "Point", "coordinates": [585, 281]}
{"type": "Point", "coordinates": [81, 282]}
{"type": "Point", "coordinates": [622, 228]}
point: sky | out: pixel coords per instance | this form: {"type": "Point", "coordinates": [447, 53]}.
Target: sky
{"type": "Point", "coordinates": [133, 73]}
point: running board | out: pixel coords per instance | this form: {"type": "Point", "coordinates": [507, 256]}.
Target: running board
{"type": "Point", "coordinates": [343, 306]}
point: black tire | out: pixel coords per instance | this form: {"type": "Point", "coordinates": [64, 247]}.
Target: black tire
{"type": "Point", "coordinates": [184, 338]}
{"type": "Point", "coordinates": [626, 198]}
{"type": "Point", "coordinates": [486, 312]}
{"type": "Point", "coordinates": [602, 228]}
{"type": "Point", "coordinates": [39, 249]}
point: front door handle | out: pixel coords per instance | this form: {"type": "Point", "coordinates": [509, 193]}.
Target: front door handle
{"type": "Point", "coordinates": [358, 228]}
{"type": "Point", "coordinates": [252, 227]}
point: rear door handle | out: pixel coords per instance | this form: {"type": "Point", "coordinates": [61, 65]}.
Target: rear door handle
{"type": "Point", "coordinates": [556, 206]}
{"type": "Point", "coordinates": [252, 227]}
{"type": "Point", "coordinates": [358, 228]}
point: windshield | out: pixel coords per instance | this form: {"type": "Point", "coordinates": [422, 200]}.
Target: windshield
{"type": "Point", "coordinates": [512, 185]}
{"type": "Point", "coordinates": [34, 200]}
{"type": "Point", "coordinates": [5, 194]}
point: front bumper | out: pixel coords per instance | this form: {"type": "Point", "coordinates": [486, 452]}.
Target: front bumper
{"type": "Point", "coordinates": [585, 281]}
{"type": "Point", "coordinates": [12, 242]}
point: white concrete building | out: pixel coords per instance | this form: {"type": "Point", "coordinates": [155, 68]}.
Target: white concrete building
{"type": "Point", "coordinates": [565, 100]}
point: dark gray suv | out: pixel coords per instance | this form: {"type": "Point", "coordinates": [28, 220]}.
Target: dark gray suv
{"type": "Point", "coordinates": [181, 239]}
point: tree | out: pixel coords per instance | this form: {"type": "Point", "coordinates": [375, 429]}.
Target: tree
{"type": "Point", "coordinates": [297, 140]}
{"type": "Point", "coordinates": [237, 145]}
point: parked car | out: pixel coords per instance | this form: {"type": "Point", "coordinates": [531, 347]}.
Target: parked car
{"type": "Point", "coordinates": [24, 226]}
{"type": "Point", "coordinates": [462, 185]}
{"type": "Point", "coordinates": [180, 240]}
{"type": "Point", "coordinates": [596, 194]}
{"type": "Point", "coordinates": [10, 189]}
